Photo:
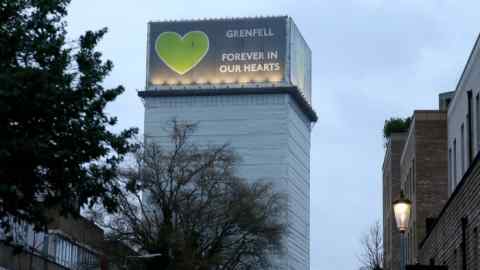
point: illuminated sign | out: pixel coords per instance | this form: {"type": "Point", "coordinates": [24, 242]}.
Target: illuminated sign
{"type": "Point", "coordinates": [226, 52]}
{"type": "Point", "coordinates": [181, 54]}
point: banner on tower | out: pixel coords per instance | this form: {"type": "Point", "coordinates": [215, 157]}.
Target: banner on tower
{"type": "Point", "coordinates": [251, 52]}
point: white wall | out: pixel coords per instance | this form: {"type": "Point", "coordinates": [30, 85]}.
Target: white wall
{"type": "Point", "coordinates": [271, 135]}
{"type": "Point", "coordinates": [457, 116]}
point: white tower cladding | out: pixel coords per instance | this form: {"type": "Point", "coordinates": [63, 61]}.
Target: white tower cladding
{"type": "Point", "coordinates": [246, 82]}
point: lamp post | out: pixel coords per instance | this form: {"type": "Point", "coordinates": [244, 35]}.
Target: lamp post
{"type": "Point", "coordinates": [401, 209]}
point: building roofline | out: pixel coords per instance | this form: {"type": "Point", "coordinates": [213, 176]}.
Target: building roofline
{"type": "Point", "coordinates": [467, 65]}
{"type": "Point", "coordinates": [188, 20]}
{"type": "Point", "coordinates": [446, 93]}
{"type": "Point", "coordinates": [420, 115]}
{"type": "Point", "coordinates": [291, 90]}
{"type": "Point", "coordinates": [428, 111]}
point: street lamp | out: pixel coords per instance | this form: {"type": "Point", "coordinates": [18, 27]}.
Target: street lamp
{"type": "Point", "coordinates": [401, 209]}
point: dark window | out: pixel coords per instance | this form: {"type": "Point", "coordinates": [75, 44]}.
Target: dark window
{"type": "Point", "coordinates": [462, 148]}
{"type": "Point", "coordinates": [450, 171]}
{"type": "Point", "coordinates": [477, 120]}
{"type": "Point", "coordinates": [459, 259]}
{"type": "Point", "coordinates": [414, 181]}
{"type": "Point", "coordinates": [475, 248]}
{"type": "Point", "coordinates": [454, 260]}
{"type": "Point", "coordinates": [454, 180]}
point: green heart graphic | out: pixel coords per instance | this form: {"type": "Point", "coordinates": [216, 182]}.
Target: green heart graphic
{"type": "Point", "coordinates": [181, 54]}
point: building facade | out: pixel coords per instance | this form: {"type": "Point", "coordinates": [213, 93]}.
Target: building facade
{"type": "Point", "coordinates": [271, 134]}
{"type": "Point", "coordinates": [423, 173]}
{"type": "Point", "coordinates": [67, 244]}
{"type": "Point", "coordinates": [261, 108]}
{"type": "Point", "coordinates": [391, 191]}
{"type": "Point", "coordinates": [454, 239]}
{"type": "Point", "coordinates": [74, 244]}
{"type": "Point", "coordinates": [464, 120]}
{"type": "Point", "coordinates": [445, 224]}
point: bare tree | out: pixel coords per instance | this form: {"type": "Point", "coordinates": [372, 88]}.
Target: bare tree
{"type": "Point", "coordinates": [186, 209]}
{"type": "Point", "coordinates": [371, 257]}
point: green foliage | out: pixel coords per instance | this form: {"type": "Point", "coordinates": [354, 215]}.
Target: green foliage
{"type": "Point", "coordinates": [396, 125]}
{"type": "Point", "coordinates": [56, 149]}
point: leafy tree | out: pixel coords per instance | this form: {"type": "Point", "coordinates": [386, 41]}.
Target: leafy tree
{"type": "Point", "coordinates": [371, 257]}
{"type": "Point", "coordinates": [396, 125]}
{"type": "Point", "coordinates": [56, 149]}
{"type": "Point", "coordinates": [194, 212]}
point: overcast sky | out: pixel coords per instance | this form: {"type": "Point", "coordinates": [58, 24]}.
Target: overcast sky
{"type": "Point", "coordinates": [372, 59]}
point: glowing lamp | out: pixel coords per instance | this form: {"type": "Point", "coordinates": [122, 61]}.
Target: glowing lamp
{"type": "Point", "coordinates": [401, 209]}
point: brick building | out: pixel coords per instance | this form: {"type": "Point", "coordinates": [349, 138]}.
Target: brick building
{"type": "Point", "coordinates": [454, 239]}
{"type": "Point", "coordinates": [423, 174]}
{"type": "Point", "coordinates": [444, 229]}
{"type": "Point", "coordinates": [415, 162]}
{"type": "Point", "coordinates": [391, 190]}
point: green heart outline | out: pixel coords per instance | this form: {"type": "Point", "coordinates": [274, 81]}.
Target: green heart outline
{"type": "Point", "coordinates": [181, 38]}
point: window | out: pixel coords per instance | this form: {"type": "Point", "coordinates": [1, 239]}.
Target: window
{"type": "Point", "coordinates": [462, 149]}
{"type": "Point", "coordinates": [414, 183]}
{"type": "Point", "coordinates": [477, 120]}
{"type": "Point", "coordinates": [454, 180]}
{"type": "Point", "coordinates": [459, 259]}
{"type": "Point", "coordinates": [475, 248]}
{"type": "Point", "coordinates": [454, 260]}
{"type": "Point", "coordinates": [450, 172]}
